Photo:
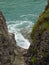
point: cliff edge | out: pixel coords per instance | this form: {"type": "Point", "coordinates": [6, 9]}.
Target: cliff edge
{"type": "Point", "coordinates": [7, 43]}
{"type": "Point", "coordinates": [10, 53]}
{"type": "Point", "coordinates": [38, 53]}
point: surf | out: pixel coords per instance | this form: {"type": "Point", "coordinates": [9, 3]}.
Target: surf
{"type": "Point", "coordinates": [16, 27]}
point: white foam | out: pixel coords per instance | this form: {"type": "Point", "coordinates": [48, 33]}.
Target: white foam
{"type": "Point", "coordinates": [18, 25]}
{"type": "Point", "coordinates": [32, 15]}
{"type": "Point", "coordinates": [21, 41]}
{"type": "Point", "coordinates": [14, 28]}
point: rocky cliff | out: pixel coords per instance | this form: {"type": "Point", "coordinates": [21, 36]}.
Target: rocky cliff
{"type": "Point", "coordinates": [38, 53]}
{"type": "Point", "coordinates": [7, 43]}
{"type": "Point", "coordinates": [10, 53]}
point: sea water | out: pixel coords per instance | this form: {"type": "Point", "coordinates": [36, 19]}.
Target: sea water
{"type": "Point", "coordinates": [21, 14]}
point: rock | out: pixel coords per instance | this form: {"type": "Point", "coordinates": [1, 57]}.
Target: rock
{"type": "Point", "coordinates": [26, 33]}
{"type": "Point", "coordinates": [38, 52]}
{"type": "Point", "coordinates": [19, 56]}
{"type": "Point", "coordinates": [10, 53]}
{"type": "Point", "coordinates": [7, 46]}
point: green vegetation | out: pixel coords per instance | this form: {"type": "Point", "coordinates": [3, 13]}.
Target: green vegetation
{"type": "Point", "coordinates": [48, 1]}
{"type": "Point", "coordinates": [34, 59]}
{"type": "Point", "coordinates": [45, 25]}
{"type": "Point", "coordinates": [39, 48]}
{"type": "Point", "coordinates": [42, 23]}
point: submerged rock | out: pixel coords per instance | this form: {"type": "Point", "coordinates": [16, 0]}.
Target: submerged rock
{"type": "Point", "coordinates": [38, 53]}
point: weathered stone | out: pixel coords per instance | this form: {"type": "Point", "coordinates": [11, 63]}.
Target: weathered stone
{"type": "Point", "coordinates": [6, 44]}
{"type": "Point", "coordinates": [38, 53]}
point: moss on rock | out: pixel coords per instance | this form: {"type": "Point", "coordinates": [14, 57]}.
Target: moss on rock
{"type": "Point", "coordinates": [34, 60]}
{"type": "Point", "coordinates": [42, 24]}
{"type": "Point", "coordinates": [38, 53]}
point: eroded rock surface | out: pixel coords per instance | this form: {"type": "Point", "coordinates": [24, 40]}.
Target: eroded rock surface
{"type": "Point", "coordinates": [7, 43]}
{"type": "Point", "coordinates": [10, 53]}
{"type": "Point", "coordinates": [38, 53]}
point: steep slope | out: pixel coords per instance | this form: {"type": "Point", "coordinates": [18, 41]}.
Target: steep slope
{"type": "Point", "coordinates": [38, 53]}
{"type": "Point", "coordinates": [7, 43]}
{"type": "Point", "coordinates": [10, 53]}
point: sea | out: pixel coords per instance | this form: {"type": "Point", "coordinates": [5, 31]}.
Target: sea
{"type": "Point", "coordinates": [20, 15]}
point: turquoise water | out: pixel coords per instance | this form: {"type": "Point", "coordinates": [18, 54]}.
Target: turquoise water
{"type": "Point", "coordinates": [22, 9]}
{"type": "Point", "coordinates": [20, 15]}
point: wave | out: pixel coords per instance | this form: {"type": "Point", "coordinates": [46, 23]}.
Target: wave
{"type": "Point", "coordinates": [21, 41]}
{"type": "Point", "coordinates": [33, 15]}
{"type": "Point", "coordinates": [16, 27]}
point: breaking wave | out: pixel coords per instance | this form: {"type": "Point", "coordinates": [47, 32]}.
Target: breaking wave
{"type": "Point", "coordinates": [16, 27]}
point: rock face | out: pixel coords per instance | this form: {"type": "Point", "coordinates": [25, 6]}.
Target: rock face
{"type": "Point", "coordinates": [38, 53]}
{"type": "Point", "coordinates": [7, 43]}
{"type": "Point", "coordinates": [19, 56]}
{"type": "Point", "coordinates": [10, 53]}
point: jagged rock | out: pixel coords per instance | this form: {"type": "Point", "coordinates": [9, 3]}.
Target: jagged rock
{"type": "Point", "coordinates": [10, 53]}
{"type": "Point", "coordinates": [38, 53]}
{"type": "Point", "coordinates": [19, 56]}
{"type": "Point", "coordinates": [7, 45]}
